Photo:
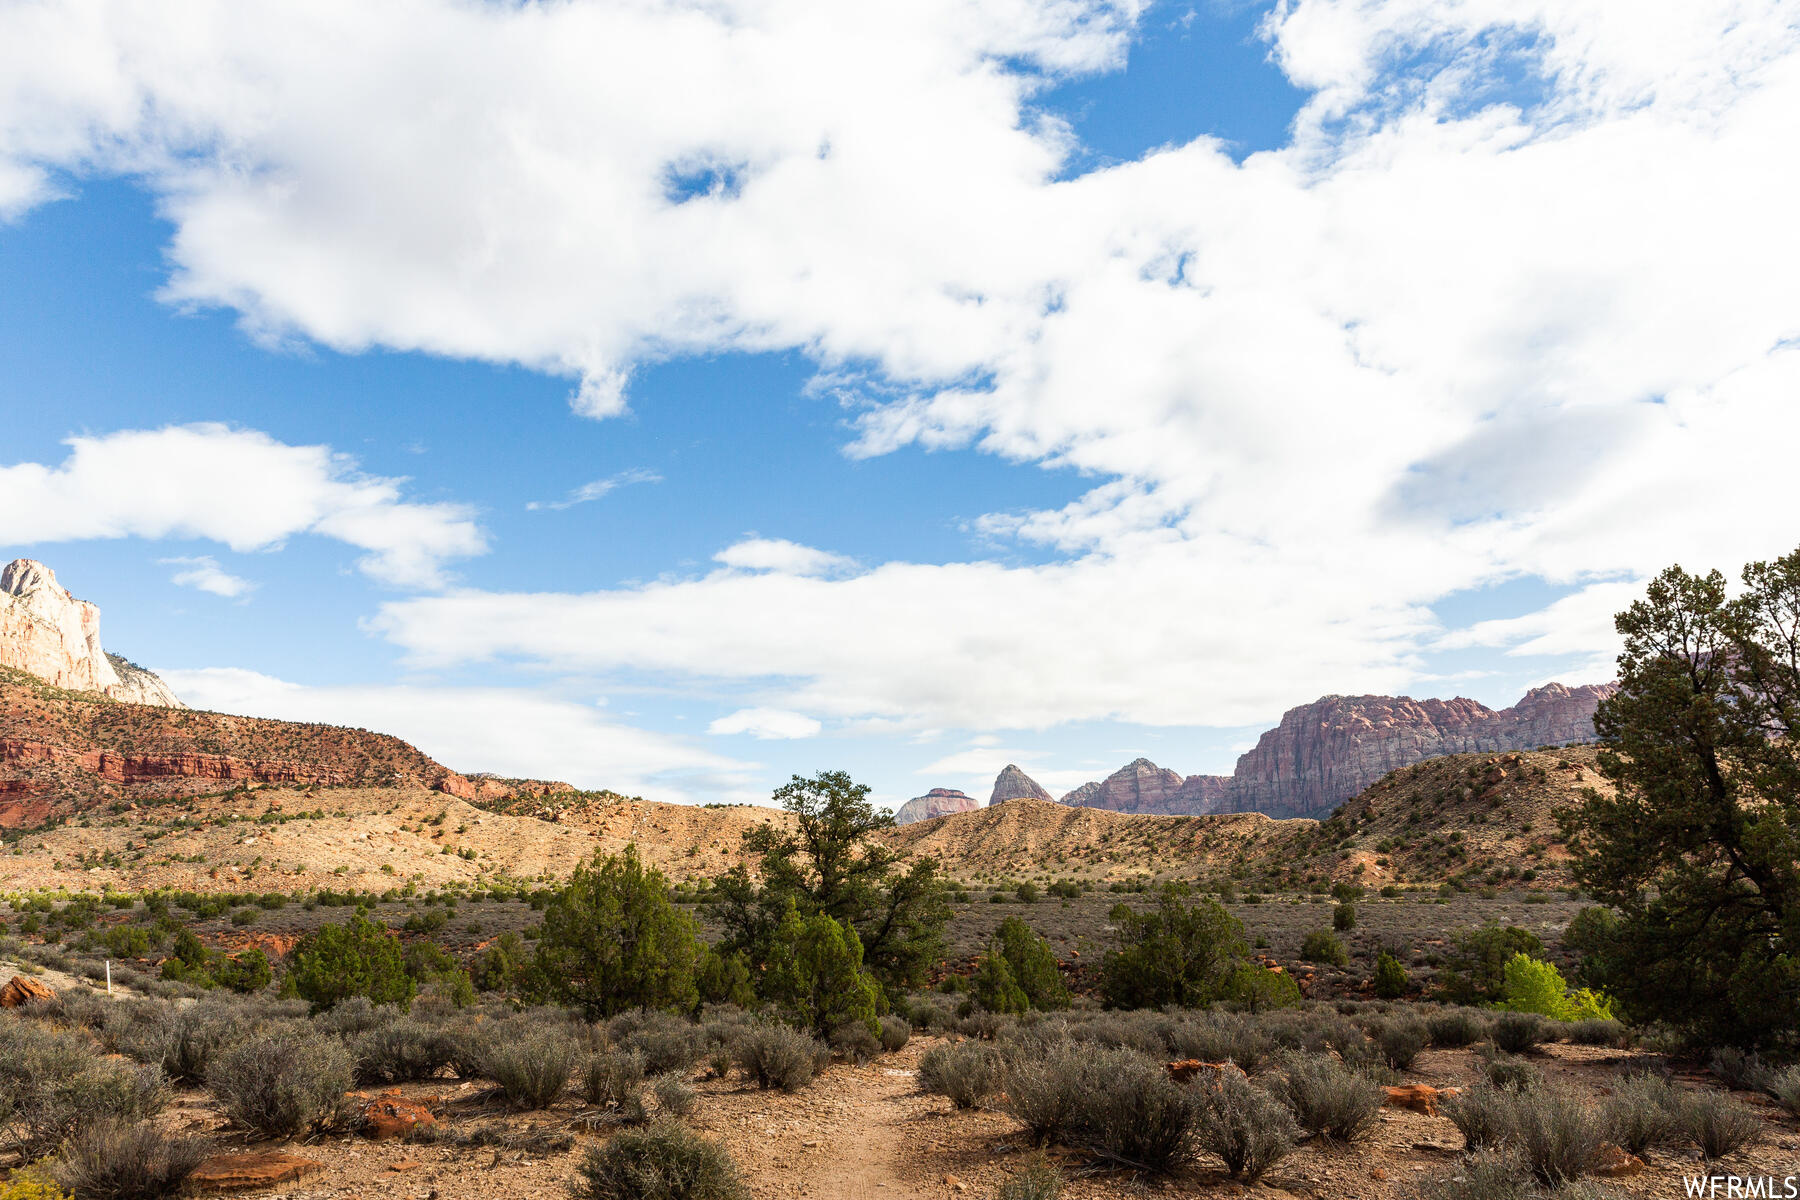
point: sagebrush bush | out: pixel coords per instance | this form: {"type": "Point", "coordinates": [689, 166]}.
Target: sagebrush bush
{"type": "Point", "coordinates": [1785, 1087]}
{"type": "Point", "coordinates": [615, 1079]}
{"type": "Point", "coordinates": [967, 1072]}
{"type": "Point", "coordinates": [1717, 1125]}
{"type": "Point", "coordinates": [1516, 1032]}
{"type": "Point", "coordinates": [675, 1096]}
{"type": "Point", "coordinates": [1399, 1040]}
{"type": "Point", "coordinates": [1329, 1101]}
{"type": "Point", "coordinates": [281, 1084]}
{"type": "Point", "coordinates": [664, 1161]}
{"type": "Point", "coordinates": [399, 1052]}
{"type": "Point", "coordinates": [1739, 1070]}
{"type": "Point", "coordinates": [1511, 1073]}
{"type": "Point", "coordinates": [108, 1161]}
{"type": "Point", "coordinates": [1598, 1031]}
{"type": "Point", "coordinates": [1642, 1112]}
{"type": "Point", "coordinates": [1558, 1135]}
{"type": "Point", "coordinates": [664, 1041]}
{"type": "Point", "coordinates": [778, 1056]}
{"type": "Point", "coordinates": [532, 1070]}
{"type": "Point", "coordinates": [1455, 1027]}
{"type": "Point", "coordinates": [196, 1034]}
{"type": "Point", "coordinates": [1245, 1126]}
{"type": "Point", "coordinates": [53, 1085]}
{"type": "Point", "coordinates": [1489, 1176]}
{"type": "Point", "coordinates": [855, 1042]}
{"type": "Point", "coordinates": [1482, 1115]}
{"type": "Point", "coordinates": [895, 1033]}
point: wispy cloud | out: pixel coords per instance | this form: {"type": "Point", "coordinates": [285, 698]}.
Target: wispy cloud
{"type": "Point", "coordinates": [204, 573]}
{"type": "Point", "coordinates": [596, 489]}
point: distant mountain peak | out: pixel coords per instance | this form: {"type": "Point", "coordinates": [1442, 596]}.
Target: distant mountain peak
{"type": "Point", "coordinates": [1014, 784]}
{"type": "Point", "coordinates": [45, 631]}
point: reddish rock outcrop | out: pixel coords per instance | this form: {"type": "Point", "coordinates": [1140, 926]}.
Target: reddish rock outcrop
{"type": "Point", "coordinates": [391, 1117]}
{"type": "Point", "coordinates": [46, 632]}
{"type": "Point", "coordinates": [21, 990]}
{"type": "Point", "coordinates": [1014, 784]}
{"type": "Point", "coordinates": [1325, 752]}
{"type": "Point", "coordinates": [1419, 1097]}
{"type": "Point", "coordinates": [938, 802]}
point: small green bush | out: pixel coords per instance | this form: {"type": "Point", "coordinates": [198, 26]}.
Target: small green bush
{"type": "Point", "coordinates": [1517, 1032]}
{"type": "Point", "coordinates": [359, 958]}
{"type": "Point", "coordinates": [666, 1161]}
{"type": "Point", "coordinates": [1323, 946]}
{"type": "Point", "coordinates": [1455, 1027]}
{"type": "Point", "coordinates": [281, 1084]}
{"type": "Point", "coordinates": [1390, 979]}
{"type": "Point", "coordinates": [1343, 917]}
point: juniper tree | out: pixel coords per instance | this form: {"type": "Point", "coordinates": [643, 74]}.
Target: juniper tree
{"type": "Point", "coordinates": [1697, 847]}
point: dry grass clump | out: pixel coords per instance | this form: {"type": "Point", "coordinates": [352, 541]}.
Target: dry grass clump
{"type": "Point", "coordinates": [1644, 1111]}
{"type": "Point", "coordinates": [1039, 1180]}
{"type": "Point", "coordinates": [1784, 1086]}
{"type": "Point", "coordinates": [1482, 1115]}
{"type": "Point", "coordinates": [1329, 1101]}
{"type": "Point", "coordinates": [281, 1084]}
{"type": "Point", "coordinates": [1717, 1125]}
{"type": "Point", "coordinates": [675, 1096]}
{"type": "Point", "coordinates": [109, 1161]}
{"type": "Point", "coordinates": [1558, 1134]}
{"type": "Point", "coordinates": [776, 1056]}
{"type": "Point", "coordinates": [664, 1161]}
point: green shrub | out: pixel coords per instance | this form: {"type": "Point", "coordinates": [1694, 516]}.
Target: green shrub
{"type": "Point", "coordinates": [281, 1084]}
{"type": "Point", "coordinates": [777, 1056]}
{"type": "Point", "coordinates": [359, 958]}
{"type": "Point", "coordinates": [993, 987]}
{"type": "Point", "coordinates": [1323, 946]}
{"type": "Point", "coordinates": [1390, 977]}
{"type": "Point", "coordinates": [1455, 1027]}
{"type": "Point", "coordinates": [244, 972]}
{"type": "Point", "coordinates": [1329, 1101]}
{"type": "Point", "coordinates": [1343, 917]}
{"type": "Point", "coordinates": [666, 1161]}
{"type": "Point", "coordinates": [108, 1161]}
{"type": "Point", "coordinates": [533, 1069]}
{"type": "Point", "coordinates": [1179, 953]}
{"type": "Point", "coordinates": [1032, 964]}
{"type": "Point", "coordinates": [1244, 1126]}
{"type": "Point", "coordinates": [1256, 989]}
{"type": "Point", "coordinates": [1534, 986]}
{"type": "Point", "coordinates": [967, 1072]}
{"type": "Point", "coordinates": [612, 941]}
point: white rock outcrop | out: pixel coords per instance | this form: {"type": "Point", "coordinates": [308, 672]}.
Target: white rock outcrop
{"type": "Point", "coordinates": [46, 632]}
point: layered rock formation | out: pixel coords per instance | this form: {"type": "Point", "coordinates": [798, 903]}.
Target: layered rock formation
{"type": "Point", "coordinates": [938, 802]}
{"type": "Point", "coordinates": [46, 632]}
{"type": "Point", "coordinates": [1014, 784]}
{"type": "Point", "coordinates": [1325, 752]}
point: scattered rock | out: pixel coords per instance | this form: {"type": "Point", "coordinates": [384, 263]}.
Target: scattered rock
{"type": "Point", "coordinates": [1418, 1097]}
{"type": "Point", "coordinates": [259, 1169]}
{"type": "Point", "coordinates": [1211, 1073]}
{"type": "Point", "coordinates": [1615, 1163]}
{"type": "Point", "coordinates": [390, 1117]}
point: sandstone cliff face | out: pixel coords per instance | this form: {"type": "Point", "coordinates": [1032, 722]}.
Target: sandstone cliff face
{"type": "Point", "coordinates": [938, 802]}
{"type": "Point", "coordinates": [46, 632]}
{"type": "Point", "coordinates": [1014, 784]}
{"type": "Point", "coordinates": [1325, 752]}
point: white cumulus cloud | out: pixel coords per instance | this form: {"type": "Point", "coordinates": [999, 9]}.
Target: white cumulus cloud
{"type": "Point", "coordinates": [203, 572]}
{"type": "Point", "coordinates": [770, 724]}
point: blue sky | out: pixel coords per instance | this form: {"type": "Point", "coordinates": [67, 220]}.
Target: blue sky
{"type": "Point", "coordinates": [1053, 390]}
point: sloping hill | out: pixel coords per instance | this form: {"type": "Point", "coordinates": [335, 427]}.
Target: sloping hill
{"type": "Point", "coordinates": [63, 752]}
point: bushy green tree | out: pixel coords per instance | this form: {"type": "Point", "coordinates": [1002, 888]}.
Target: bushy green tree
{"type": "Point", "coordinates": [723, 977]}
{"type": "Point", "coordinates": [612, 940]}
{"type": "Point", "coordinates": [1258, 989]}
{"type": "Point", "coordinates": [1475, 968]}
{"type": "Point", "coordinates": [246, 971]}
{"type": "Point", "coordinates": [1032, 964]}
{"type": "Point", "coordinates": [358, 958]}
{"type": "Point", "coordinates": [1177, 953]}
{"type": "Point", "coordinates": [1390, 977]}
{"type": "Point", "coordinates": [501, 967]}
{"type": "Point", "coordinates": [1697, 845]}
{"type": "Point", "coordinates": [992, 985]}
{"type": "Point", "coordinates": [816, 973]}
{"type": "Point", "coordinates": [832, 863]}
{"type": "Point", "coordinates": [1535, 986]}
